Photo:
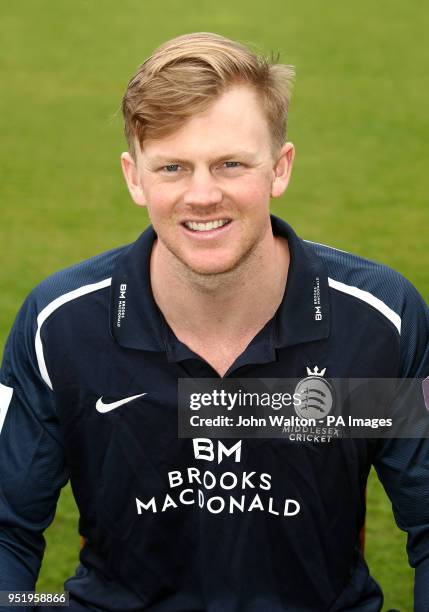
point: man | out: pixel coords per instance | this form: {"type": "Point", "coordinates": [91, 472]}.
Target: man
{"type": "Point", "coordinates": [214, 288]}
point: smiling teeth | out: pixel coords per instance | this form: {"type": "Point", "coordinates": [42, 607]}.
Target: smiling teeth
{"type": "Point", "coordinates": [205, 227]}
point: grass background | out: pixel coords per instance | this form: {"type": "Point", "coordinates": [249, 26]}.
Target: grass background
{"type": "Point", "coordinates": [358, 120]}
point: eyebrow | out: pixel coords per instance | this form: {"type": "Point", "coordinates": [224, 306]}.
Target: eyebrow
{"type": "Point", "coordinates": [162, 159]}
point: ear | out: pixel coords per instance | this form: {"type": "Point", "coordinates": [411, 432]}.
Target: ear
{"type": "Point", "coordinates": [132, 179]}
{"type": "Point", "coordinates": [283, 170]}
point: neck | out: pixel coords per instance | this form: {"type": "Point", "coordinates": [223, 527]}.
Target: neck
{"type": "Point", "coordinates": [209, 307]}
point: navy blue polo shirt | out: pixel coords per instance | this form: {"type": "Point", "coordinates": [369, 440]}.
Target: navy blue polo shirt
{"type": "Point", "coordinates": [88, 392]}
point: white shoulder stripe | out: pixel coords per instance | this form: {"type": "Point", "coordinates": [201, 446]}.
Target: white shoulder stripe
{"type": "Point", "coordinates": [365, 296]}
{"type": "Point", "coordinates": [327, 246]}
{"type": "Point", "coordinates": [5, 399]}
{"type": "Point", "coordinates": [49, 309]}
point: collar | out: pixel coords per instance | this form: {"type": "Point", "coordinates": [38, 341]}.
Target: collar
{"type": "Point", "coordinates": [137, 323]}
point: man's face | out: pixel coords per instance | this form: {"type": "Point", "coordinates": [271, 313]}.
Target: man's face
{"type": "Point", "coordinates": [207, 186]}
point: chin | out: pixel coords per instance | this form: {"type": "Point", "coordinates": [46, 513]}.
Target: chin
{"type": "Point", "coordinates": [207, 264]}
{"type": "Point", "coordinates": [212, 268]}
{"type": "Point", "coordinates": [209, 270]}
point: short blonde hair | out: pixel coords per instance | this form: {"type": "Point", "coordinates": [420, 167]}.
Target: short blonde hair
{"type": "Point", "coordinates": [186, 74]}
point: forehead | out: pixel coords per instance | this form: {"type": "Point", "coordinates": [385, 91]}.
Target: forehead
{"type": "Point", "coordinates": [236, 119]}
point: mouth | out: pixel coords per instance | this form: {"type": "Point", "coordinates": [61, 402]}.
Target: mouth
{"type": "Point", "coordinates": [208, 226]}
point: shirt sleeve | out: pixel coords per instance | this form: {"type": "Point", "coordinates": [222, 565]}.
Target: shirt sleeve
{"type": "Point", "coordinates": [403, 464]}
{"type": "Point", "coordinates": [32, 466]}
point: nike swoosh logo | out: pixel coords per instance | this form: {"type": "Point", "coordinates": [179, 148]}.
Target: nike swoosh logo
{"type": "Point", "coordinates": [102, 407]}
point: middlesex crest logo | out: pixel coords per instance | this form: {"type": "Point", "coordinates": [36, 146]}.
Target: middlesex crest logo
{"type": "Point", "coordinates": [316, 395]}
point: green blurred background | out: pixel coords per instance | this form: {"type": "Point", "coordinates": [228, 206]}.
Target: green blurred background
{"type": "Point", "coordinates": [358, 120]}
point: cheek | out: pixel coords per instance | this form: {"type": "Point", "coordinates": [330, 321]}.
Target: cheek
{"type": "Point", "coordinates": [161, 199]}
{"type": "Point", "coordinates": [252, 194]}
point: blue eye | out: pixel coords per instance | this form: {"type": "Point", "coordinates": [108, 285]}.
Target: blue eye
{"type": "Point", "coordinates": [171, 168]}
{"type": "Point", "coordinates": [232, 164]}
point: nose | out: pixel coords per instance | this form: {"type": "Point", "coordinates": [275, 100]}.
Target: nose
{"type": "Point", "coordinates": [202, 189]}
